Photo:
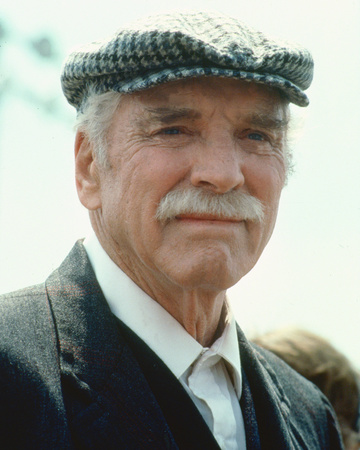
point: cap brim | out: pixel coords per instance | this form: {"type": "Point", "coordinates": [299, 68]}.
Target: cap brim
{"type": "Point", "coordinates": [290, 90]}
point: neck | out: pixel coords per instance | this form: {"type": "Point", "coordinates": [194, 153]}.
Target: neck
{"type": "Point", "coordinates": [202, 316]}
{"type": "Point", "coordinates": [200, 310]}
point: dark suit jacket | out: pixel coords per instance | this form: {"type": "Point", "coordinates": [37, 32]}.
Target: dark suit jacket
{"type": "Point", "coordinates": [73, 376]}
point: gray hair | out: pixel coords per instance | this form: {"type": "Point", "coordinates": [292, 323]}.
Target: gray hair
{"type": "Point", "coordinates": [94, 120]}
{"type": "Point", "coordinates": [95, 117]}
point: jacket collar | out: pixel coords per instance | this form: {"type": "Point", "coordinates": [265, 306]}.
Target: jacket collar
{"type": "Point", "coordinates": [270, 401]}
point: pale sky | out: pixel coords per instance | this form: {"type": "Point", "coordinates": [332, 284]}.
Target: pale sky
{"type": "Point", "coordinates": [309, 273]}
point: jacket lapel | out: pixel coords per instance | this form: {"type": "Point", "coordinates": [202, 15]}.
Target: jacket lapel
{"type": "Point", "coordinates": [249, 416]}
{"type": "Point", "coordinates": [270, 403]}
{"type": "Point", "coordinates": [108, 400]}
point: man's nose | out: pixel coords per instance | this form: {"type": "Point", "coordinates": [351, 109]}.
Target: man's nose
{"type": "Point", "coordinates": [218, 167]}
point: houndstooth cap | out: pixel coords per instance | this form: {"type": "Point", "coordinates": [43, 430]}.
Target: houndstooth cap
{"type": "Point", "coordinates": [180, 45]}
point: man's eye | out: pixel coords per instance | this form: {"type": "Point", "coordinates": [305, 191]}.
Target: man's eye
{"type": "Point", "coordinates": [171, 131]}
{"type": "Point", "coordinates": [255, 136]}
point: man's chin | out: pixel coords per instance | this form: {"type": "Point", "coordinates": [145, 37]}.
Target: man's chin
{"type": "Point", "coordinates": [207, 277]}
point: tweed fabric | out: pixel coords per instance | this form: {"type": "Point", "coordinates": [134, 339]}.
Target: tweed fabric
{"type": "Point", "coordinates": [178, 45]}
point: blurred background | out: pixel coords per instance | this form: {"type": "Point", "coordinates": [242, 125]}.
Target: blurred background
{"type": "Point", "coordinates": [309, 274]}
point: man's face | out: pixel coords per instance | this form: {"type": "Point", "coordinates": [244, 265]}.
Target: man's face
{"type": "Point", "coordinates": [217, 135]}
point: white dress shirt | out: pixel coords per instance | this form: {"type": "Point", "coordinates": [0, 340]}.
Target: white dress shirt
{"type": "Point", "coordinates": [211, 376]}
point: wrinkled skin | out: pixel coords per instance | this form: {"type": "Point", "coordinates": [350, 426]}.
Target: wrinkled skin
{"type": "Point", "coordinates": [211, 133]}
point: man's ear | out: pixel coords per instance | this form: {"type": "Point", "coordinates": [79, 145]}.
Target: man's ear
{"type": "Point", "coordinates": [86, 173]}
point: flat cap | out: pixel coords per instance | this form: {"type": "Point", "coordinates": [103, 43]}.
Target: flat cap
{"type": "Point", "coordinates": [180, 45]}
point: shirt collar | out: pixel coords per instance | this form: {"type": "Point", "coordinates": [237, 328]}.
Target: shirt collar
{"type": "Point", "coordinates": [227, 346]}
{"type": "Point", "coordinates": [153, 324]}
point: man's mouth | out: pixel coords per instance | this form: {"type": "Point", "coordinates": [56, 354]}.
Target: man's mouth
{"type": "Point", "coordinates": [207, 218]}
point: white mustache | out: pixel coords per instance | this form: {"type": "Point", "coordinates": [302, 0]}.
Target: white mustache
{"type": "Point", "coordinates": [233, 205]}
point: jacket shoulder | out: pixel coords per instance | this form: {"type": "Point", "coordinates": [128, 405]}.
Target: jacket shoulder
{"type": "Point", "coordinates": [30, 386]}
{"type": "Point", "coordinates": [23, 314]}
{"type": "Point", "coordinates": [8, 301]}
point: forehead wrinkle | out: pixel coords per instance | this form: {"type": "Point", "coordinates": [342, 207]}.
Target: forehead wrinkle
{"type": "Point", "coordinates": [268, 121]}
{"type": "Point", "coordinates": [168, 114]}
{"type": "Point", "coordinates": [270, 115]}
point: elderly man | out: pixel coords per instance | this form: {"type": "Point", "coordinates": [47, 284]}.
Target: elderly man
{"type": "Point", "coordinates": [181, 156]}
